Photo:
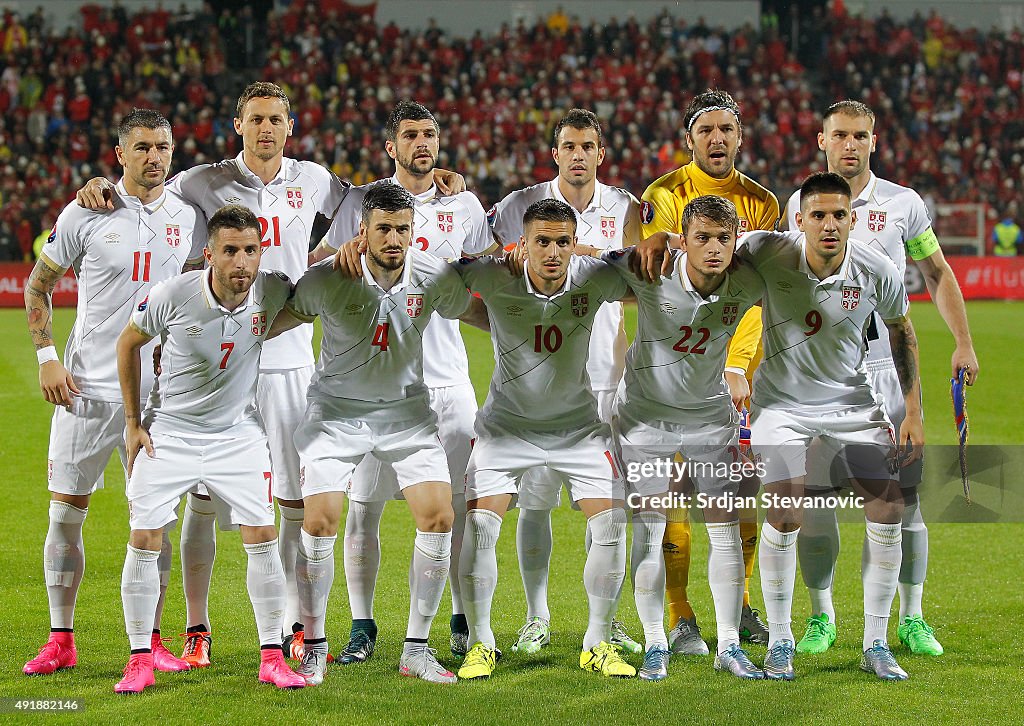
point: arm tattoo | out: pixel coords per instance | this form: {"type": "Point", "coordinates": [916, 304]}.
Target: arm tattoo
{"type": "Point", "coordinates": [38, 303]}
{"type": "Point", "coordinates": [903, 342]}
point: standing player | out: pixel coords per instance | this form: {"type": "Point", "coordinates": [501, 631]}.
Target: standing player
{"type": "Point", "coordinates": [893, 220]}
{"type": "Point", "coordinates": [540, 411]}
{"type": "Point", "coordinates": [822, 290]}
{"type": "Point", "coordinates": [203, 429]}
{"type": "Point", "coordinates": [674, 401]}
{"type": "Point", "coordinates": [286, 195]}
{"type": "Point", "coordinates": [714, 134]}
{"type": "Point", "coordinates": [117, 258]}
{"type": "Point", "coordinates": [607, 218]}
{"type": "Point", "coordinates": [446, 227]}
{"type": "Point", "coordinates": [368, 396]}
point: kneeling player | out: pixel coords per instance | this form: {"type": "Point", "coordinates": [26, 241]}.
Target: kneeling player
{"type": "Point", "coordinates": [674, 400]}
{"type": "Point", "coordinates": [821, 289]}
{"type": "Point", "coordinates": [540, 411]}
{"type": "Point", "coordinates": [368, 396]}
{"type": "Point", "coordinates": [203, 428]}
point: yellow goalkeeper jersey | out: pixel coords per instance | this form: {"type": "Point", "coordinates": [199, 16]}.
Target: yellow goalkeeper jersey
{"type": "Point", "coordinates": [662, 211]}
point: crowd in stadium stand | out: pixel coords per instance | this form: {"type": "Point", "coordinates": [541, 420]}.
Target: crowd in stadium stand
{"type": "Point", "coordinates": [948, 99]}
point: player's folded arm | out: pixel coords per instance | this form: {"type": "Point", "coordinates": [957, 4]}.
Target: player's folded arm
{"type": "Point", "coordinates": [287, 319]}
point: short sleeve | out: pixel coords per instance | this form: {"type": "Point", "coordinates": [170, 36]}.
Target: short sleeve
{"type": "Point", "coordinates": [453, 298]}
{"type": "Point", "coordinates": [921, 240]}
{"type": "Point", "coordinates": [152, 315]}
{"type": "Point", "coordinates": [792, 207]}
{"type": "Point", "coordinates": [507, 229]}
{"type": "Point", "coordinates": [308, 297]}
{"type": "Point", "coordinates": [191, 184]}
{"type": "Point", "coordinates": [658, 211]}
{"type": "Point", "coordinates": [333, 191]}
{"type": "Point", "coordinates": [478, 238]}
{"type": "Point", "coordinates": [199, 237]}
{"type": "Point", "coordinates": [345, 225]}
{"type": "Point", "coordinates": [66, 242]}
{"type": "Point", "coordinates": [892, 294]}
{"type": "Point", "coordinates": [613, 286]}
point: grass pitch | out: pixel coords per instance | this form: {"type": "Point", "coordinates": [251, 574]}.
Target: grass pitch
{"type": "Point", "coordinates": [970, 598]}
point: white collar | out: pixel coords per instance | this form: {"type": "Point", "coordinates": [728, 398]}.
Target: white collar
{"type": "Point", "coordinates": [134, 202]}
{"type": "Point", "coordinates": [421, 198]}
{"type": "Point", "coordinates": [688, 285]}
{"type": "Point", "coordinates": [839, 274]}
{"type": "Point", "coordinates": [253, 177]}
{"type": "Point", "coordinates": [867, 192]}
{"type": "Point", "coordinates": [565, 285]}
{"type": "Point", "coordinates": [211, 299]}
{"type": "Point", "coordinates": [398, 286]}
{"type": "Point", "coordinates": [595, 202]}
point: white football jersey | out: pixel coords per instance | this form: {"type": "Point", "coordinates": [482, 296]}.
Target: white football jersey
{"type": "Point", "coordinates": [894, 220]}
{"type": "Point", "coordinates": [814, 329]}
{"type": "Point", "coordinates": [210, 357]}
{"type": "Point", "coordinates": [118, 256]}
{"type": "Point", "coordinates": [676, 363]}
{"type": "Point", "coordinates": [447, 228]}
{"type": "Point", "coordinates": [611, 222]}
{"type": "Point", "coordinates": [287, 208]}
{"type": "Point", "coordinates": [372, 348]}
{"type": "Point", "coordinates": [541, 343]}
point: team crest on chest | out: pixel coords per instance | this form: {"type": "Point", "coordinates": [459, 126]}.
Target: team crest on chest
{"type": "Point", "coordinates": [173, 235]}
{"type": "Point", "coordinates": [414, 305]}
{"type": "Point", "coordinates": [851, 297]}
{"type": "Point", "coordinates": [259, 323]}
{"type": "Point", "coordinates": [729, 313]}
{"type": "Point", "coordinates": [743, 228]}
{"type": "Point", "coordinates": [446, 222]}
{"type": "Point", "coordinates": [294, 196]}
{"type": "Point", "coordinates": [580, 304]}
{"type": "Point", "coordinates": [876, 220]}
{"type": "Point", "coordinates": [608, 227]}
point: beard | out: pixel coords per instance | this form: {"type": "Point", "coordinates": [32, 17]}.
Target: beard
{"type": "Point", "coordinates": [416, 167]}
{"type": "Point", "coordinates": [388, 265]}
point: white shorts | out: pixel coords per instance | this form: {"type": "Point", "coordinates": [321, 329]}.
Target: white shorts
{"type": "Point", "coordinates": [281, 401]}
{"type": "Point", "coordinates": [331, 446]}
{"type": "Point", "coordinates": [235, 472]}
{"type": "Point", "coordinates": [541, 488]}
{"type": "Point", "coordinates": [710, 448]}
{"type": "Point", "coordinates": [455, 408]}
{"type": "Point", "coordinates": [81, 443]}
{"type": "Point", "coordinates": [582, 456]}
{"type": "Point", "coordinates": [861, 437]}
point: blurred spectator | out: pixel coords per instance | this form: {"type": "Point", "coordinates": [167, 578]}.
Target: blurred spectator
{"type": "Point", "coordinates": [1007, 238]}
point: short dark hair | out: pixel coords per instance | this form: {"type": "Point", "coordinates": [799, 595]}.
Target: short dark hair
{"type": "Point", "coordinates": [707, 100]}
{"type": "Point", "coordinates": [579, 119]}
{"type": "Point", "coordinates": [406, 110]}
{"type": "Point", "coordinates": [824, 182]}
{"type": "Point", "coordinates": [849, 108]}
{"type": "Point", "coordinates": [231, 216]}
{"type": "Point", "coordinates": [550, 210]}
{"type": "Point", "coordinates": [386, 197]}
{"type": "Point", "coordinates": [262, 89]}
{"type": "Point", "coordinates": [145, 118]}
{"type": "Point", "coordinates": [713, 208]}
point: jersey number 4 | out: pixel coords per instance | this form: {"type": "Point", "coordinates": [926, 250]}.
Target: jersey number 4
{"type": "Point", "coordinates": [380, 336]}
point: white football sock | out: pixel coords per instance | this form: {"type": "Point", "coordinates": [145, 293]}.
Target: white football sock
{"type": "Point", "coordinates": [314, 570]}
{"type": "Point", "coordinates": [63, 562]}
{"type": "Point", "coordinates": [198, 547]}
{"type": "Point", "coordinates": [140, 589]}
{"type": "Point", "coordinates": [428, 571]}
{"type": "Point", "coordinates": [914, 566]}
{"type": "Point", "coordinates": [264, 578]}
{"type": "Point", "coordinates": [362, 555]}
{"type": "Point", "coordinates": [533, 547]}
{"type": "Point", "coordinates": [478, 570]}
{"type": "Point", "coordinates": [777, 560]}
{"type": "Point", "coordinates": [604, 572]}
{"type": "Point", "coordinates": [164, 568]}
{"type": "Point", "coordinates": [288, 538]}
{"type": "Point", "coordinates": [458, 531]}
{"type": "Point", "coordinates": [726, 574]}
{"type": "Point", "coordinates": [880, 567]}
{"type": "Point", "coordinates": [647, 568]}
{"type": "Point", "coordinates": [818, 547]}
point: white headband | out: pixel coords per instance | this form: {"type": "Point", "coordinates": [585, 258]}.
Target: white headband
{"type": "Point", "coordinates": [709, 109]}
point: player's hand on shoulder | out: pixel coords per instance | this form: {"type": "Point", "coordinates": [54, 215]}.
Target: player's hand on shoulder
{"type": "Point", "coordinates": [57, 384]}
{"type": "Point", "coordinates": [347, 258]}
{"type": "Point", "coordinates": [515, 259]}
{"type": "Point", "coordinates": [651, 260]}
{"type": "Point", "coordinates": [97, 195]}
{"type": "Point", "coordinates": [449, 183]}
